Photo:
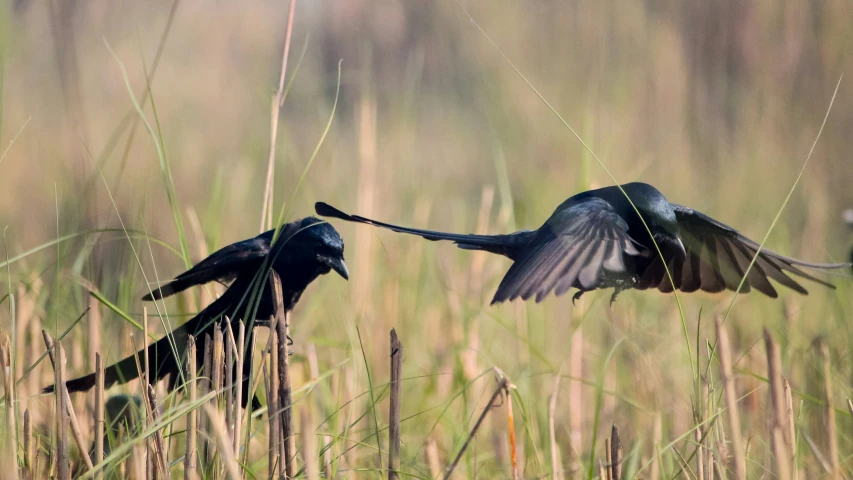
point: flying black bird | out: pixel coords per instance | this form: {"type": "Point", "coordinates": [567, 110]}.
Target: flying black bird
{"type": "Point", "coordinates": [596, 239]}
{"type": "Point", "coordinates": [305, 249]}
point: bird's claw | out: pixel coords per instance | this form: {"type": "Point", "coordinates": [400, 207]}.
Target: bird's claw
{"type": "Point", "coordinates": [577, 296]}
{"type": "Point", "coordinates": [289, 344]}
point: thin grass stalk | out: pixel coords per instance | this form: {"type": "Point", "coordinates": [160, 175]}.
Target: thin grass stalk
{"type": "Point", "coordinates": [503, 385]}
{"type": "Point", "coordinates": [76, 433]}
{"type": "Point", "coordinates": [144, 373]}
{"type": "Point", "coordinates": [99, 414]}
{"type": "Point", "coordinates": [62, 467]}
{"type": "Point", "coordinates": [7, 373]}
{"type": "Point", "coordinates": [159, 443]}
{"type": "Point", "coordinates": [777, 410]}
{"type": "Point", "coordinates": [829, 406]}
{"type": "Point", "coordinates": [732, 414]}
{"type": "Point", "coordinates": [223, 442]}
{"type": "Point", "coordinates": [556, 459]}
{"type": "Point", "coordinates": [615, 453]}
{"type": "Point", "coordinates": [608, 460]}
{"type": "Point", "coordinates": [657, 433]}
{"type": "Point", "coordinates": [394, 442]}
{"type": "Point", "coordinates": [191, 455]}
{"type": "Point", "coordinates": [217, 369]}
{"type": "Point", "coordinates": [28, 446]}
{"type": "Point", "coordinates": [309, 443]}
{"type": "Point", "coordinates": [150, 470]}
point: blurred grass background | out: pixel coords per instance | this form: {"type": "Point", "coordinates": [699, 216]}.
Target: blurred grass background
{"type": "Point", "coordinates": [716, 104]}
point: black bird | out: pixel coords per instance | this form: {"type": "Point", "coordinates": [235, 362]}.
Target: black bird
{"type": "Point", "coordinates": [596, 239]}
{"type": "Point", "coordinates": [848, 219]}
{"type": "Point", "coordinates": [305, 249]}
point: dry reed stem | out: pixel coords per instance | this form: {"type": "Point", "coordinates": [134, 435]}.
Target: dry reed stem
{"type": "Point", "coordinates": [28, 446]}
{"type": "Point", "coordinates": [608, 460]}
{"type": "Point", "coordinates": [657, 433]}
{"type": "Point", "coordinates": [556, 464]}
{"type": "Point", "coordinates": [503, 387]}
{"type": "Point", "coordinates": [159, 443]}
{"type": "Point", "coordinates": [431, 457]}
{"type": "Point", "coordinates": [394, 442]}
{"type": "Point", "coordinates": [274, 439]}
{"type": "Point", "coordinates": [732, 414]}
{"type": "Point", "coordinates": [791, 434]}
{"type": "Point", "coordinates": [206, 388]}
{"type": "Point", "coordinates": [309, 444]}
{"type": "Point", "coordinates": [615, 453]}
{"type": "Point", "coordinates": [832, 437]}
{"type": "Point", "coordinates": [238, 394]}
{"type": "Point", "coordinates": [246, 417]}
{"type": "Point", "coordinates": [76, 433]}
{"type": "Point", "coordinates": [62, 467]}
{"type": "Point", "coordinates": [850, 407]}
{"type": "Point", "coordinates": [777, 411]}
{"type": "Point", "coordinates": [223, 442]}
{"type": "Point", "coordinates": [277, 102]}
{"type": "Point", "coordinates": [7, 375]}
{"type": "Point", "coordinates": [700, 455]}
{"type": "Point", "coordinates": [191, 455]}
{"type": "Point", "coordinates": [229, 380]}
{"type": "Point", "coordinates": [99, 414]}
{"type": "Point", "coordinates": [511, 427]}
{"type": "Point", "coordinates": [281, 331]}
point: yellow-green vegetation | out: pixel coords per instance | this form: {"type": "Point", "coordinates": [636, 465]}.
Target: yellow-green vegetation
{"type": "Point", "coordinates": [417, 113]}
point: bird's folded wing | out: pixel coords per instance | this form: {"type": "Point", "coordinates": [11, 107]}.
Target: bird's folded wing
{"type": "Point", "coordinates": [571, 249]}
{"type": "Point", "coordinates": [718, 257]}
{"type": "Point", "coordinates": [222, 266]}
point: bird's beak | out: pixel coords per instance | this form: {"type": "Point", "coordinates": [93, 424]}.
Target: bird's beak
{"type": "Point", "coordinates": [680, 247]}
{"type": "Point", "coordinates": [338, 265]}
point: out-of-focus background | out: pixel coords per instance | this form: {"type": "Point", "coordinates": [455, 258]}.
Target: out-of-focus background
{"type": "Point", "coordinates": [715, 103]}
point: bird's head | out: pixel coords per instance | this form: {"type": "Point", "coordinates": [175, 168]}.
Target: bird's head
{"type": "Point", "coordinates": [659, 215]}
{"type": "Point", "coordinates": [322, 244]}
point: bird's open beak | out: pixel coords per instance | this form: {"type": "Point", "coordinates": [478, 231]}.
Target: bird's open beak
{"type": "Point", "coordinates": [338, 265]}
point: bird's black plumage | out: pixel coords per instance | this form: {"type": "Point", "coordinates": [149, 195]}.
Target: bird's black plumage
{"type": "Point", "coordinates": [596, 239]}
{"type": "Point", "coordinates": [305, 249]}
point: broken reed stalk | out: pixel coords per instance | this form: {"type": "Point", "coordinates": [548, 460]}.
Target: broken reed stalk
{"type": "Point", "coordinates": [217, 368]}
{"type": "Point", "coordinates": [223, 441]}
{"type": "Point", "coordinates": [556, 464]}
{"type": "Point", "coordinates": [76, 433]}
{"type": "Point", "coordinates": [206, 387]}
{"type": "Point", "coordinates": [615, 454]}
{"type": "Point", "coordinates": [832, 437]}
{"type": "Point", "coordinates": [394, 441]}
{"type": "Point", "coordinates": [511, 427]}
{"type": "Point", "coordinates": [309, 444]}
{"type": "Point", "coordinates": [777, 411]}
{"type": "Point", "coordinates": [431, 456]}
{"type": "Point", "coordinates": [503, 386]}
{"type": "Point", "coordinates": [28, 446]}
{"type": "Point", "coordinates": [732, 414]}
{"type": "Point", "coordinates": [99, 414]}
{"type": "Point", "coordinates": [791, 434]}
{"type": "Point", "coordinates": [62, 468]}
{"type": "Point", "coordinates": [230, 347]}
{"type": "Point", "coordinates": [253, 380]}
{"type": "Point", "coordinates": [191, 455]}
{"type": "Point", "coordinates": [273, 407]}
{"type": "Point", "coordinates": [285, 401]}
{"type": "Point", "coordinates": [159, 443]}
{"type": "Point", "coordinates": [608, 460]}
{"type": "Point", "coordinates": [140, 370]}
{"type": "Point", "coordinates": [238, 394]}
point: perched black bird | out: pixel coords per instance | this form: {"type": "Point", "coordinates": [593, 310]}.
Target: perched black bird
{"type": "Point", "coordinates": [596, 239]}
{"type": "Point", "coordinates": [305, 249]}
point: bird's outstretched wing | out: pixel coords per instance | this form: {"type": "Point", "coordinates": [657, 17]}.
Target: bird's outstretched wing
{"type": "Point", "coordinates": [573, 248]}
{"type": "Point", "coordinates": [500, 244]}
{"type": "Point", "coordinates": [223, 265]}
{"type": "Point", "coordinates": [717, 258]}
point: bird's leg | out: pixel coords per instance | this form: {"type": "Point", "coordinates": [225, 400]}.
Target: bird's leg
{"type": "Point", "coordinates": [289, 344]}
{"type": "Point", "coordinates": [616, 292]}
{"type": "Point", "coordinates": [577, 296]}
